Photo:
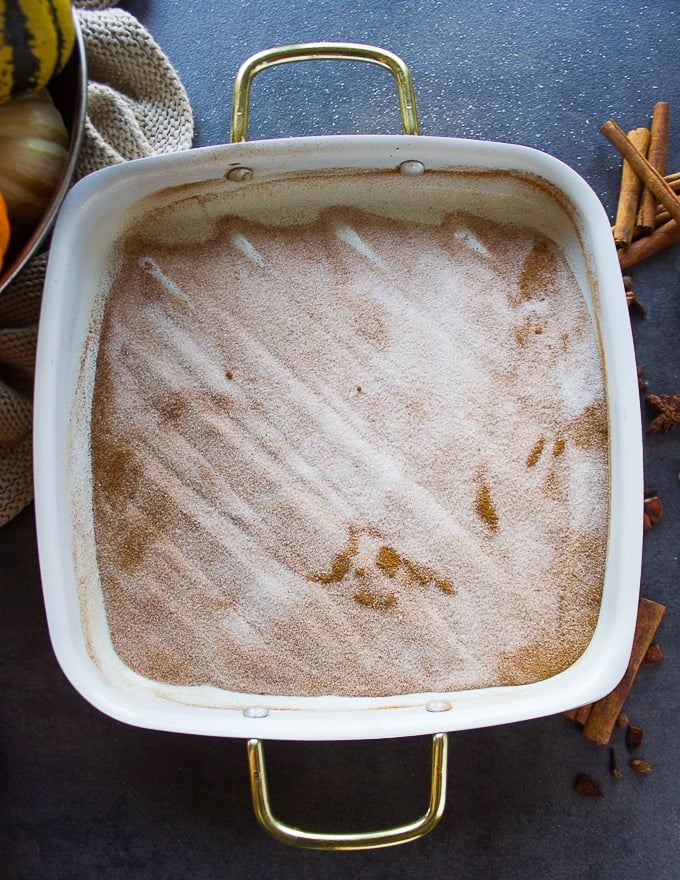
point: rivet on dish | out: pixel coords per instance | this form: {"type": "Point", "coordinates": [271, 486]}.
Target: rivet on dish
{"type": "Point", "coordinates": [239, 173]}
{"type": "Point", "coordinates": [255, 712]}
{"type": "Point", "coordinates": [438, 706]}
{"type": "Point", "coordinates": [412, 168]}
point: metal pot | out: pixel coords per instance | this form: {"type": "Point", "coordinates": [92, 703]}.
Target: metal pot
{"type": "Point", "coordinates": [69, 93]}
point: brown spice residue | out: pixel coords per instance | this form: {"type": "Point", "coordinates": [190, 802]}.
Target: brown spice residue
{"type": "Point", "coordinates": [341, 564]}
{"type": "Point", "coordinates": [535, 453]}
{"type": "Point", "coordinates": [589, 430]}
{"type": "Point", "coordinates": [445, 586]}
{"type": "Point", "coordinates": [339, 568]}
{"type": "Point", "coordinates": [528, 663]}
{"type": "Point", "coordinates": [388, 560]}
{"type": "Point", "coordinates": [165, 664]}
{"type": "Point", "coordinates": [558, 447]}
{"type": "Point", "coordinates": [370, 600]}
{"type": "Point", "coordinates": [173, 406]}
{"type": "Point", "coordinates": [388, 563]}
{"type": "Point", "coordinates": [554, 486]}
{"type": "Point", "coordinates": [131, 546]}
{"type": "Point", "coordinates": [115, 464]}
{"type": "Point", "coordinates": [419, 574]}
{"type": "Point", "coordinates": [538, 272]}
{"type": "Point", "coordinates": [484, 507]}
{"type": "Point", "coordinates": [520, 334]}
{"type": "Point", "coordinates": [524, 331]}
{"type": "Point", "coordinates": [182, 404]}
{"type": "Point", "coordinates": [422, 575]}
{"type": "Point", "coordinates": [347, 608]}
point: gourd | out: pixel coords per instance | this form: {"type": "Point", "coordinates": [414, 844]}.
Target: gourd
{"type": "Point", "coordinates": [36, 40]}
{"type": "Point", "coordinates": [33, 152]}
{"type": "Point", "coordinates": [4, 230]}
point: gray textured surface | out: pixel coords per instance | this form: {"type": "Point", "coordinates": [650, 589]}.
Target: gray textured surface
{"type": "Point", "coordinates": [84, 796]}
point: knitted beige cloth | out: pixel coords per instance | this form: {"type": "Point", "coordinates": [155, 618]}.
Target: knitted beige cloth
{"type": "Point", "coordinates": [137, 107]}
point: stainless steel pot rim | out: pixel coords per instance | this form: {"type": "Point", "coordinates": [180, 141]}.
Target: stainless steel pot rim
{"type": "Point", "coordinates": [75, 74]}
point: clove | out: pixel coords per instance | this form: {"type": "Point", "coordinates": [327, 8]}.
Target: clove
{"type": "Point", "coordinates": [634, 736]}
{"type": "Point", "coordinates": [631, 299]}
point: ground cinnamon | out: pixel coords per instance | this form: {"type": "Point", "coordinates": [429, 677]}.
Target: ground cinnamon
{"type": "Point", "coordinates": [656, 156]}
{"type": "Point", "coordinates": [485, 507]}
{"type": "Point", "coordinates": [270, 515]}
{"type": "Point", "coordinates": [535, 453]}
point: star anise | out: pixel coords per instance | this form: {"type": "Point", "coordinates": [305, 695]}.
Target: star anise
{"type": "Point", "coordinates": [667, 408]}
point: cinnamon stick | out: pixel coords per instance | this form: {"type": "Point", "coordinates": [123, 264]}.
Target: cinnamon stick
{"type": "Point", "coordinates": [656, 156]}
{"type": "Point", "coordinates": [648, 174]}
{"type": "Point", "coordinates": [629, 192]}
{"type": "Point", "coordinates": [583, 713]}
{"type": "Point", "coordinates": [662, 216]}
{"type": "Point", "coordinates": [580, 715]}
{"type": "Point", "coordinates": [651, 244]}
{"type": "Point", "coordinates": [603, 714]}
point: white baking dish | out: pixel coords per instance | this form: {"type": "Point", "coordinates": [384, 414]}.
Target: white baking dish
{"type": "Point", "coordinates": [98, 211]}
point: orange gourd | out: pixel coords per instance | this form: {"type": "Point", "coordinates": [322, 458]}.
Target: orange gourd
{"type": "Point", "coordinates": [4, 230]}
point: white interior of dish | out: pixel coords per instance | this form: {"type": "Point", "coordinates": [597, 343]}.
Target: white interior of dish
{"type": "Point", "coordinates": [291, 182]}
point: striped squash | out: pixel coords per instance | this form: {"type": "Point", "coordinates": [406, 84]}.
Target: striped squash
{"type": "Point", "coordinates": [36, 40]}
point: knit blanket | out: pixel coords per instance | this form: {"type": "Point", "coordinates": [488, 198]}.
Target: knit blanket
{"type": "Point", "coordinates": [136, 107]}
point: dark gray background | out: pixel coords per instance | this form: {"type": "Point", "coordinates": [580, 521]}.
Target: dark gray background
{"type": "Point", "coordinates": [86, 797]}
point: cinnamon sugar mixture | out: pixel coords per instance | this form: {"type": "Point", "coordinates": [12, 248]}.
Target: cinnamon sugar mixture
{"type": "Point", "coordinates": [358, 456]}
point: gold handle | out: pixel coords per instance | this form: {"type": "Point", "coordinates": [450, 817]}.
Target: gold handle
{"type": "Point", "coordinates": [369, 840]}
{"type": "Point", "coordinates": [323, 52]}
